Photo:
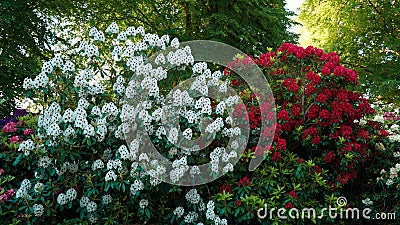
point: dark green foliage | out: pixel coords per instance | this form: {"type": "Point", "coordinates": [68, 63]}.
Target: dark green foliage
{"type": "Point", "coordinates": [24, 39]}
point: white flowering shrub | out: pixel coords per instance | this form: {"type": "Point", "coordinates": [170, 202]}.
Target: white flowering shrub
{"type": "Point", "coordinates": [127, 113]}
{"type": "Point", "coordinates": [381, 193]}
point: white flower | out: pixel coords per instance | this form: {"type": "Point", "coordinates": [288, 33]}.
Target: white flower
{"type": "Point", "coordinates": [38, 210]}
{"type": "Point", "coordinates": [179, 211]}
{"type": "Point", "coordinates": [187, 133]}
{"type": "Point", "coordinates": [26, 147]}
{"type": "Point", "coordinates": [228, 168]}
{"type": "Point", "coordinates": [192, 196]}
{"type": "Point", "coordinates": [143, 203]}
{"type": "Point", "coordinates": [173, 135]}
{"type": "Point", "coordinates": [363, 122]}
{"type": "Point", "coordinates": [191, 217]}
{"type": "Point", "coordinates": [68, 66]}
{"type": "Point", "coordinates": [26, 184]}
{"type": "Point", "coordinates": [112, 28]}
{"type": "Point", "coordinates": [175, 43]}
{"type": "Point", "coordinates": [195, 170]}
{"type": "Point", "coordinates": [379, 146]}
{"type": "Point", "coordinates": [111, 176]}
{"type": "Point", "coordinates": [62, 199]}
{"type": "Point", "coordinates": [91, 50]}
{"type": "Point", "coordinates": [38, 187]}
{"type": "Point", "coordinates": [98, 164]}
{"type": "Point", "coordinates": [367, 202]}
{"type": "Point", "coordinates": [93, 218]}
{"type": "Point", "coordinates": [130, 31]}
{"type": "Point", "coordinates": [106, 199]}
{"type": "Point", "coordinates": [91, 206]}
{"type": "Point", "coordinates": [122, 36]}
{"type": "Point", "coordinates": [379, 118]}
{"type": "Point", "coordinates": [389, 182]}
{"type": "Point", "coordinates": [136, 186]}
{"type": "Point", "coordinates": [84, 201]}
{"type": "Point", "coordinates": [71, 194]}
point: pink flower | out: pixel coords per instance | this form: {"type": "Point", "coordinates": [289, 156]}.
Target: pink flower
{"type": "Point", "coordinates": [14, 139]}
{"type": "Point", "coordinates": [1, 171]}
{"type": "Point", "coordinates": [28, 132]}
{"type": "Point", "coordinates": [9, 128]}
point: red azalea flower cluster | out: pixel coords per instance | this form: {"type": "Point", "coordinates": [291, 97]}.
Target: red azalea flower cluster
{"type": "Point", "coordinates": [293, 194]}
{"type": "Point", "coordinates": [10, 127]}
{"type": "Point", "coordinates": [225, 187]}
{"type": "Point", "coordinates": [244, 181]}
{"type": "Point", "coordinates": [317, 109]}
{"type": "Point", "coordinates": [5, 194]}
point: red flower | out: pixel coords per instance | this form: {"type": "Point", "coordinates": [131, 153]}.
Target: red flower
{"type": "Point", "coordinates": [316, 140]}
{"type": "Point", "coordinates": [324, 114]}
{"type": "Point", "coordinates": [280, 144]}
{"type": "Point", "coordinates": [363, 134]}
{"type": "Point", "coordinates": [318, 169]}
{"type": "Point", "coordinates": [290, 84]}
{"type": "Point", "coordinates": [244, 181]}
{"type": "Point", "coordinates": [326, 70]}
{"type": "Point", "coordinates": [225, 188]}
{"type": "Point", "coordinates": [276, 157]}
{"type": "Point", "coordinates": [265, 59]}
{"type": "Point", "coordinates": [28, 132]}
{"type": "Point", "coordinates": [343, 178]}
{"type": "Point", "coordinates": [9, 127]}
{"type": "Point", "coordinates": [295, 111]}
{"type": "Point", "coordinates": [313, 112]}
{"type": "Point", "coordinates": [289, 205]}
{"type": "Point", "coordinates": [346, 131]}
{"type": "Point", "coordinates": [310, 89]}
{"type": "Point", "coordinates": [236, 82]}
{"type": "Point", "coordinates": [14, 139]}
{"type": "Point", "coordinates": [283, 115]}
{"type": "Point", "coordinates": [293, 194]}
{"type": "Point", "coordinates": [313, 77]}
{"type": "Point", "coordinates": [384, 133]}
{"type": "Point", "coordinates": [238, 203]}
{"type": "Point", "coordinates": [329, 157]}
{"type": "Point", "coordinates": [321, 98]}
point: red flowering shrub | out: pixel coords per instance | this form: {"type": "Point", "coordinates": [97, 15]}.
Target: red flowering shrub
{"type": "Point", "coordinates": [316, 110]}
{"type": "Point", "coordinates": [318, 146]}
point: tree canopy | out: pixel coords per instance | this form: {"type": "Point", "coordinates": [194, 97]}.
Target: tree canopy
{"type": "Point", "coordinates": [24, 42]}
{"type": "Point", "coordinates": [365, 33]}
{"type": "Point", "coordinates": [28, 28]}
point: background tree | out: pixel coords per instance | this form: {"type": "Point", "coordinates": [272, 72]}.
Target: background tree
{"type": "Point", "coordinates": [30, 28]}
{"type": "Point", "coordinates": [24, 41]}
{"type": "Point", "coordinates": [365, 33]}
{"type": "Point", "coordinates": [251, 26]}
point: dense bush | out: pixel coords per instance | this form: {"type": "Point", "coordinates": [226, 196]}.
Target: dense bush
{"type": "Point", "coordinates": [77, 167]}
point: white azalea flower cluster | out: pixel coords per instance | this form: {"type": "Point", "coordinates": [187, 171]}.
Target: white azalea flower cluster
{"type": "Point", "coordinates": [390, 177]}
{"type": "Point", "coordinates": [67, 167]}
{"type": "Point", "coordinates": [70, 195]}
{"type": "Point", "coordinates": [26, 147]}
{"type": "Point", "coordinates": [193, 216]}
{"type": "Point", "coordinates": [22, 192]}
{"type": "Point", "coordinates": [90, 206]}
{"type": "Point", "coordinates": [87, 110]}
{"type": "Point", "coordinates": [38, 210]}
